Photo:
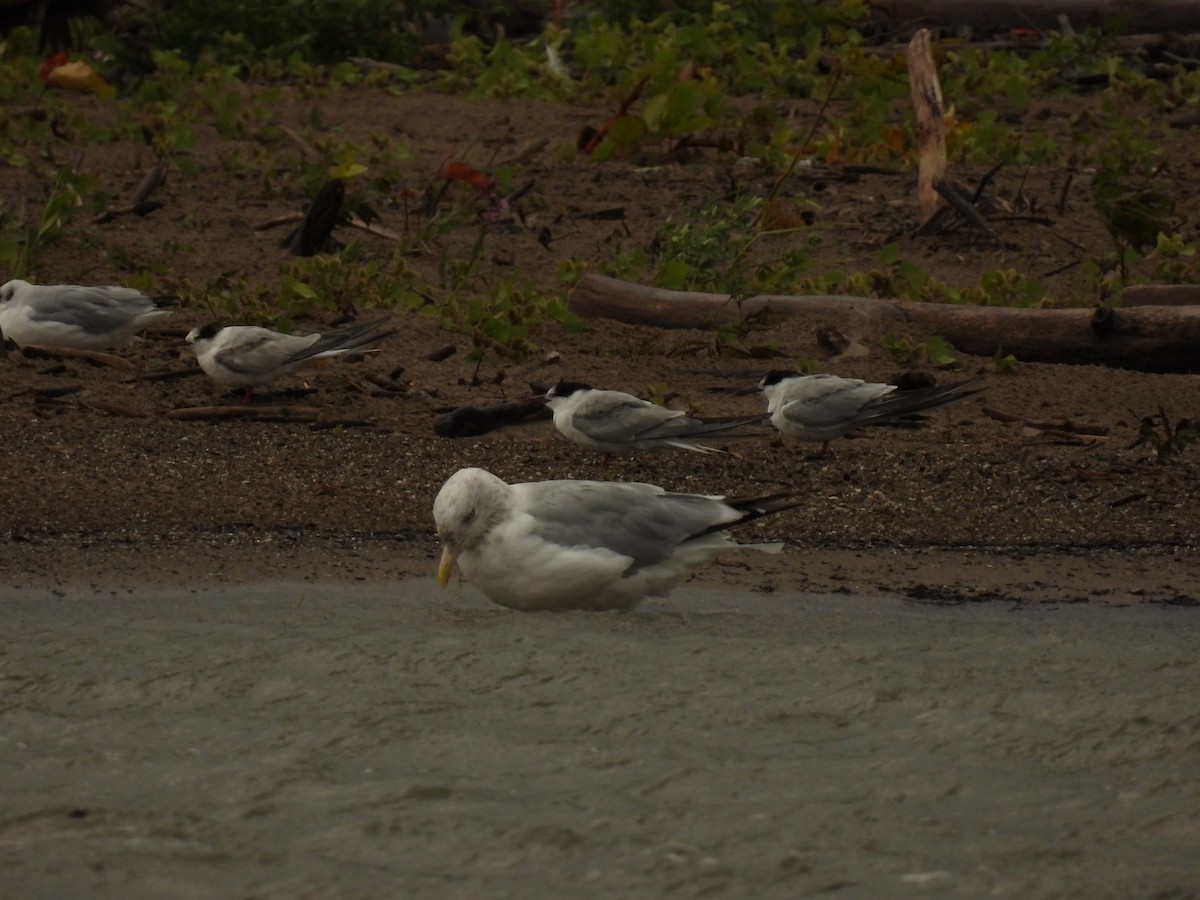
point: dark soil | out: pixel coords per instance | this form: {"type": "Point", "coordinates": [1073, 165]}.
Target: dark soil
{"type": "Point", "coordinates": [964, 507]}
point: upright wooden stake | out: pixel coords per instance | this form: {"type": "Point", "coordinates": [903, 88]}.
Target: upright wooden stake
{"type": "Point", "coordinates": [931, 125]}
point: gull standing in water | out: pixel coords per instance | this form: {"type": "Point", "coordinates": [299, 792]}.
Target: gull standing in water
{"type": "Point", "coordinates": [74, 316]}
{"type": "Point", "coordinates": [823, 407]}
{"type": "Point", "coordinates": [248, 356]}
{"type": "Point", "coordinates": [557, 545]}
{"type": "Point", "coordinates": [615, 422]}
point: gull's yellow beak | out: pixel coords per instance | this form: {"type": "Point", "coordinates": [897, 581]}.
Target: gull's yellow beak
{"type": "Point", "coordinates": [446, 566]}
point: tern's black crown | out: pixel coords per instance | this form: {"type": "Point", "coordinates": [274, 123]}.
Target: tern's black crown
{"type": "Point", "coordinates": [775, 376]}
{"type": "Point", "coordinates": [566, 388]}
{"type": "Point", "coordinates": [208, 331]}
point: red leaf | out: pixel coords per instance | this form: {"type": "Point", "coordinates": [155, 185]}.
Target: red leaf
{"type": "Point", "coordinates": [459, 171]}
{"type": "Point", "coordinates": [50, 63]}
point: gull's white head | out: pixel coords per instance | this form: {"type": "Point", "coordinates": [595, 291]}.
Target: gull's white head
{"type": "Point", "coordinates": [11, 288]}
{"type": "Point", "coordinates": [464, 511]}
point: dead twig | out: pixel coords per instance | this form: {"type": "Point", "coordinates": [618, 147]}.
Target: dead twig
{"type": "Point", "coordinates": [948, 190]}
{"type": "Point", "coordinates": [118, 409]}
{"type": "Point", "coordinates": [385, 386]}
{"type": "Point", "coordinates": [331, 424]}
{"type": "Point", "coordinates": [1127, 499]}
{"type": "Point", "coordinates": [54, 393]}
{"type": "Point", "coordinates": [166, 374]}
{"type": "Point", "coordinates": [590, 138]}
{"type": "Point", "coordinates": [138, 203]}
{"type": "Point", "coordinates": [355, 220]}
{"type": "Point", "coordinates": [94, 356]}
{"type": "Point", "coordinates": [367, 63]}
{"type": "Point", "coordinates": [16, 394]}
{"type": "Point", "coordinates": [287, 219]}
{"type": "Point", "coordinates": [258, 413]}
{"type": "Point", "coordinates": [527, 154]}
{"type": "Point", "coordinates": [1064, 424]}
{"type": "Point", "coordinates": [986, 180]}
{"type": "Point", "coordinates": [305, 146]}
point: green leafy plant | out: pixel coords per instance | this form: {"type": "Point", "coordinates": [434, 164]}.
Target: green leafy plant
{"type": "Point", "coordinates": [24, 237]}
{"type": "Point", "coordinates": [503, 322]}
{"type": "Point", "coordinates": [1004, 363]}
{"type": "Point", "coordinates": [1174, 260]}
{"type": "Point", "coordinates": [1166, 438]}
{"type": "Point", "coordinates": [328, 285]}
{"type": "Point", "coordinates": [1006, 287]}
{"type": "Point", "coordinates": [721, 249]}
{"type": "Point", "coordinates": [1135, 213]}
{"type": "Point", "coordinates": [934, 351]}
{"type": "Point", "coordinates": [731, 337]}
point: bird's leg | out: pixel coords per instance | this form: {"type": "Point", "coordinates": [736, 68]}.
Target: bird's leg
{"type": "Point", "coordinates": [248, 396]}
{"type": "Point", "coordinates": [823, 453]}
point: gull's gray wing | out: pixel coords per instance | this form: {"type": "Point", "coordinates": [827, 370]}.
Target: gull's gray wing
{"type": "Point", "coordinates": [93, 310]}
{"type": "Point", "coordinates": [640, 521]}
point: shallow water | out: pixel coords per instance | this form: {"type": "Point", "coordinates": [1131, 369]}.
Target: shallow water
{"type": "Point", "coordinates": [288, 740]}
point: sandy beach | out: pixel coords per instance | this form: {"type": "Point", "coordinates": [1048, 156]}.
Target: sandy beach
{"type": "Point", "coordinates": [226, 671]}
{"type": "Point", "coordinates": [341, 740]}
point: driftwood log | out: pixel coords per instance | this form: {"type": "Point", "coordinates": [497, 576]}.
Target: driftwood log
{"type": "Point", "coordinates": [1148, 338]}
{"type": "Point", "coordinates": [468, 421]}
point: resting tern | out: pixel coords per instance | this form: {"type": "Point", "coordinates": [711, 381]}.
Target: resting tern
{"type": "Point", "coordinates": [248, 356]}
{"type": "Point", "coordinates": [823, 407]}
{"type": "Point", "coordinates": [614, 422]}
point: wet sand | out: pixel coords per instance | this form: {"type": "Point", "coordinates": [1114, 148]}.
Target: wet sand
{"type": "Point", "coordinates": [294, 739]}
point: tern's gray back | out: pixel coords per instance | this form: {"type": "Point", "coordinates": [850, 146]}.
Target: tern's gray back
{"type": "Point", "coordinates": [635, 520]}
{"type": "Point", "coordinates": [830, 401]}
{"type": "Point", "coordinates": [259, 352]}
{"type": "Point", "coordinates": [616, 417]}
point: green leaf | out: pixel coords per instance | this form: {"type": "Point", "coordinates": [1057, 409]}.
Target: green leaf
{"type": "Point", "coordinates": [299, 288]}
{"type": "Point", "coordinates": [655, 112]}
{"type": "Point", "coordinates": [939, 351]}
{"type": "Point", "coordinates": [347, 170]}
{"type": "Point", "coordinates": [672, 274]}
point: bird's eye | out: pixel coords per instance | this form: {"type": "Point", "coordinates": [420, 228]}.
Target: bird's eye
{"type": "Point", "coordinates": [469, 517]}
